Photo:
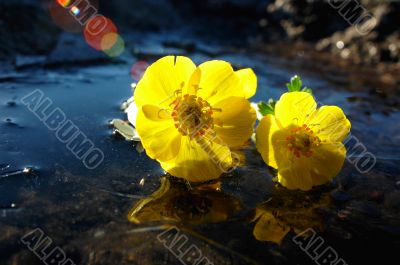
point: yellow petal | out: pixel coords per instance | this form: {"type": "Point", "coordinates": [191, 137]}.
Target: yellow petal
{"type": "Point", "coordinates": [294, 173]}
{"type": "Point", "coordinates": [305, 172]}
{"type": "Point", "coordinates": [330, 124]}
{"type": "Point", "coordinates": [234, 124]}
{"type": "Point", "coordinates": [248, 80]}
{"type": "Point", "coordinates": [268, 228]}
{"type": "Point", "coordinates": [194, 82]}
{"type": "Point", "coordinates": [219, 81]}
{"type": "Point", "coordinates": [327, 162]}
{"type": "Point", "coordinates": [266, 144]}
{"type": "Point", "coordinates": [294, 108]}
{"type": "Point", "coordinates": [154, 113]}
{"type": "Point", "coordinates": [162, 80]}
{"type": "Point", "coordinates": [199, 162]}
{"type": "Point", "coordinates": [159, 137]}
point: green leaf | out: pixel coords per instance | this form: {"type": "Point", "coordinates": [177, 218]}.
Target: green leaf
{"type": "Point", "coordinates": [295, 84]}
{"type": "Point", "coordinates": [267, 108]}
{"type": "Point", "coordinates": [272, 103]}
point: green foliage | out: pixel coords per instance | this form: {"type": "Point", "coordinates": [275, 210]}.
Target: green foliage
{"type": "Point", "coordinates": [267, 108]}
{"type": "Point", "coordinates": [296, 85]}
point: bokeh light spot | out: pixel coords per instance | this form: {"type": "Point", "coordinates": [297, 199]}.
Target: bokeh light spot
{"type": "Point", "coordinates": [75, 10]}
{"type": "Point", "coordinates": [95, 30]}
{"type": "Point", "coordinates": [138, 69]}
{"type": "Point", "coordinates": [109, 40]}
{"type": "Point", "coordinates": [64, 3]}
{"type": "Point", "coordinates": [117, 49]}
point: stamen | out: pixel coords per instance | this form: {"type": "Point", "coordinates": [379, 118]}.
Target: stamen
{"type": "Point", "coordinates": [192, 115]}
{"type": "Point", "coordinates": [301, 141]}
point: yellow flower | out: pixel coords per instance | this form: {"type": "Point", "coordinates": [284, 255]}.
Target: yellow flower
{"type": "Point", "coordinates": [304, 143]}
{"type": "Point", "coordinates": [189, 117]}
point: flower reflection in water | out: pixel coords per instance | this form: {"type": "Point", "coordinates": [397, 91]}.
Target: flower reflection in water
{"type": "Point", "coordinates": [287, 210]}
{"type": "Point", "coordinates": [174, 202]}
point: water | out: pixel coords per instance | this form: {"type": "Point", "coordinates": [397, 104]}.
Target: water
{"type": "Point", "coordinates": [85, 212]}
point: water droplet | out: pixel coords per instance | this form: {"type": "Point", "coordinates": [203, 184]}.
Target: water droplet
{"type": "Point", "coordinates": [141, 183]}
{"type": "Point", "coordinates": [27, 170]}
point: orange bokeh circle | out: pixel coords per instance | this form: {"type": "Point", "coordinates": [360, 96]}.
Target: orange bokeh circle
{"type": "Point", "coordinates": [98, 28]}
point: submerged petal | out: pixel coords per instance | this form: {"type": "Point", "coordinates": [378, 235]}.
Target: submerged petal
{"type": "Point", "coordinates": [268, 228]}
{"type": "Point", "coordinates": [162, 80]}
{"type": "Point", "coordinates": [234, 123]}
{"type": "Point", "coordinates": [294, 108]}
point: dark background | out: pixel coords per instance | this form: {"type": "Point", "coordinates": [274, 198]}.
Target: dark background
{"type": "Point", "coordinates": [27, 29]}
{"type": "Point", "coordinates": [85, 211]}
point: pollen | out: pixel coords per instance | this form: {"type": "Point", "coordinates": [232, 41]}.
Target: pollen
{"type": "Point", "coordinates": [301, 141]}
{"type": "Point", "coordinates": [192, 115]}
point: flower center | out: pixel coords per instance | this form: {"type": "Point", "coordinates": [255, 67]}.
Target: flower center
{"type": "Point", "coordinates": [301, 141]}
{"type": "Point", "coordinates": [192, 115]}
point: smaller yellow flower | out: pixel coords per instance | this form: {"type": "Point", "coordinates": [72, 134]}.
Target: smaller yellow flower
{"type": "Point", "coordinates": [302, 142]}
{"type": "Point", "coordinates": [190, 117]}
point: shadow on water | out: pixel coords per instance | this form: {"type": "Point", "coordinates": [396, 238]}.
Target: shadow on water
{"type": "Point", "coordinates": [85, 211]}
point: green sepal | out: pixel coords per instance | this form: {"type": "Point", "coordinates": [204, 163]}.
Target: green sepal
{"type": "Point", "coordinates": [266, 108]}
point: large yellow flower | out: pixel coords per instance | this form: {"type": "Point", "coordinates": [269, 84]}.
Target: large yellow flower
{"type": "Point", "coordinates": [189, 117]}
{"type": "Point", "coordinates": [303, 142]}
